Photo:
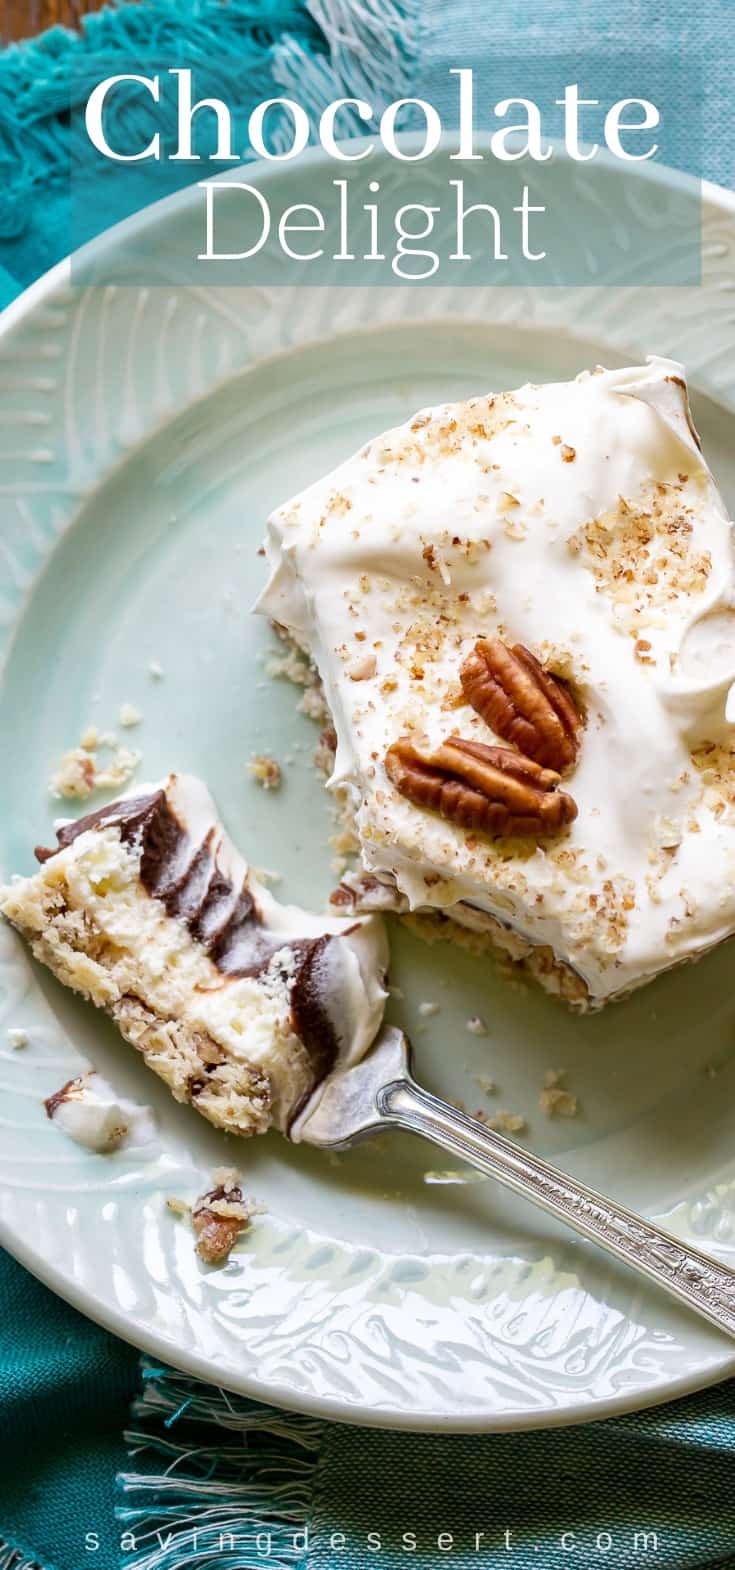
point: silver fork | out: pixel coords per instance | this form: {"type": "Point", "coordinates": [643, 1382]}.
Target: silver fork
{"type": "Point", "coordinates": [380, 1093]}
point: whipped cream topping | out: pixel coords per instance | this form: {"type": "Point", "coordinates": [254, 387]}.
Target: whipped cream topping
{"type": "Point", "coordinates": [581, 520]}
{"type": "Point", "coordinates": [91, 1113]}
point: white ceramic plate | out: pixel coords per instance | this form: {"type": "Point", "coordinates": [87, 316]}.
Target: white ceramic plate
{"type": "Point", "coordinates": [145, 432]}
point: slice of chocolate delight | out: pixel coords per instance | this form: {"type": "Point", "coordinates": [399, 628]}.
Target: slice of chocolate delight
{"type": "Point", "coordinates": [242, 1005]}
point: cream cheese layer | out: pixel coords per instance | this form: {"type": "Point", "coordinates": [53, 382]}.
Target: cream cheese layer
{"type": "Point", "coordinates": [579, 519]}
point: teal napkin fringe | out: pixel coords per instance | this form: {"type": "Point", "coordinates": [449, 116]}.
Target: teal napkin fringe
{"type": "Point", "coordinates": [215, 1482]}
{"type": "Point", "coordinates": [205, 1468]}
{"type": "Point", "coordinates": [14, 1559]}
{"type": "Point", "coordinates": [243, 50]}
{"type": "Point", "coordinates": [65, 1390]}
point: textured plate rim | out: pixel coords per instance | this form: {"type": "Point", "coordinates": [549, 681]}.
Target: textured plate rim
{"type": "Point", "coordinates": [332, 1410]}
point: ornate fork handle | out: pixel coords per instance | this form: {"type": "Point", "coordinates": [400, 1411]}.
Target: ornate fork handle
{"type": "Point", "coordinates": [700, 1282]}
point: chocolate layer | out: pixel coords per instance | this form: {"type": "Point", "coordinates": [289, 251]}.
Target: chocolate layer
{"type": "Point", "coordinates": [223, 919]}
{"type": "Point", "coordinates": [52, 1103]}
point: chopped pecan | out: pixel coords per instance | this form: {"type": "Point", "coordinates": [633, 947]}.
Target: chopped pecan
{"type": "Point", "coordinates": [491, 789]}
{"type": "Point", "coordinates": [218, 1219]}
{"type": "Point", "coordinates": [216, 1236]}
{"type": "Point", "coordinates": [522, 702]}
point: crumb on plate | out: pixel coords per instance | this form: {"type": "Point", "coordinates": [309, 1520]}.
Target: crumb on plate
{"type": "Point", "coordinates": [505, 1122]}
{"type": "Point", "coordinates": [178, 1207]}
{"type": "Point", "coordinates": [265, 770]}
{"type": "Point", "coordinates": [555, 1100]}
{"type": "Point", "coordinates": [220, 1216]}
{"type": "Point", "coordinates": [82, 770]}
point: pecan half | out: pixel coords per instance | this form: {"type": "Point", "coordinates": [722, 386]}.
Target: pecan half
{"type": "Point", "coordinates": [522, 702]}
{"type": "Point", "coordinates": [477, 787]}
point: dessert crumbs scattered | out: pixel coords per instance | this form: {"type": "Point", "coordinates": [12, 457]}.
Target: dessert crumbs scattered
{"type": "Point", "coordinates": [18, 1038]}
{"type": "Point", "coordinates": [82, 770]}
{"type": "Point", "coordinates": [311, 703]}
{"type": "Point", "coordinates": [555, 1100]}
{"type": "Point", "coordinates": [486, 1084]}
{"type": "Point", "coordinates": [265, 770]}
{"type": "Point", "coordinates": [476, 1025]}
{"type": "Point", "coordinates": [75, 776]}
{"type": "Point", "coordinates": [220, 1216]}
{"type": "Point", "coordinates": [293, 666]}
{"type": "Point", "coordinates": [505, 1122]}
{"type": "Point", "coordinates": [155, 671]}
{"type": "Point", "coordinates": [427, 1008]}
{"type": "Point", "coordinates": [558, 1103]}
{"type": "Point", "coordinates": [324, 757]}
{"type": "Point", "coordinates": [178, 1207]}
{"type": "Point", "coordinates": [129, 715]}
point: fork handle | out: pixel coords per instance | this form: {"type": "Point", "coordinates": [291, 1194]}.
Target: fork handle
{"type": "Point", "coordinates": [698, 1281]}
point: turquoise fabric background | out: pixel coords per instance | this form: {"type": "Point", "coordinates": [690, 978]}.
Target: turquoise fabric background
{"type": "Point", "coordinates": [65, 1391]}
{"type": "Point", "coordinates": [65, 1385]}
{"type": "Point", "coordinates": [668, 1471]}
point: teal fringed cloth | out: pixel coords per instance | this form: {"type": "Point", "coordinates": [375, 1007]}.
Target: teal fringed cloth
{"type": "Point", "coordinates": [210, 1481]}
{"type": "Point", "coordinates": [242, 50]}
{"type": "Point", "coordinates": [65, 1389]}
{"type": "Point", "coordinates": [98, 1466]}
